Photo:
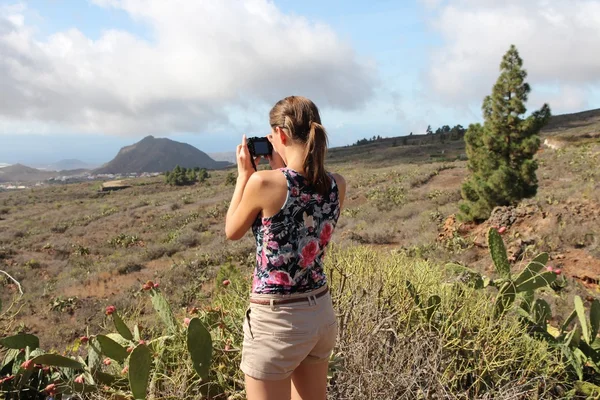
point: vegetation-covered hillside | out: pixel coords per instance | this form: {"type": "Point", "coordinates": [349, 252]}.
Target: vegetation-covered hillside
{"type": "Point", "coordinates": [75, 251]}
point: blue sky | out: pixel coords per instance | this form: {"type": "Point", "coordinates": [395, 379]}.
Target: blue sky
{"type": "Point", "coordinates": [84, 78]}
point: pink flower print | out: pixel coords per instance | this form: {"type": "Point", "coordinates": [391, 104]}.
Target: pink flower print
{"type": "Point", "coordinates": [332, 196]}
{"type": "Point", "coordinates": [319, 198]}
{"type": "Point", "coordinates": [326, 232]}
{"type": "Point", "coordinates": [277, 261]}
{"type": "Point", "coordinates": [279, 278]}
{"type": "Point", "coordinates": [274, 245]}
{"type": "Point", "coordinates": [263, 258]}
{"type": "Point", "coordinates": [305, 197]}
{"type": "Point", "coordinates": [309, 253]}
{"type": "Point", "coordinates": [316, 277]}
{"type": "Point", "coordinates": [295, 192]}
{"type": "Point", "coordinates": [255, 282]}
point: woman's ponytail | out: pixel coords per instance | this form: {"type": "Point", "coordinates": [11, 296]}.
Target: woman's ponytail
{"type": "Point", "coordinates": [314, 158]}
{"type": "Point", "coordinates": [300, 117]}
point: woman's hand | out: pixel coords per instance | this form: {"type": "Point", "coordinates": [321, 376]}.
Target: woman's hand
{"type": "Point", "coordinates": [275, 159]}
{"type": "Point", "coordinates": [244, 163]}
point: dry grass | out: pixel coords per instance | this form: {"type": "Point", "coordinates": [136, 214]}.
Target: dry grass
{"type": "Point", "coordinates": [74, 253]}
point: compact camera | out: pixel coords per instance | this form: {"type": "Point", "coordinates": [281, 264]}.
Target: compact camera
{"type": "Point", "coordinates": [259, 146]}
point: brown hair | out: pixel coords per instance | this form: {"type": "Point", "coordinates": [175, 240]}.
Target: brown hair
{"type": "Point", "coordinates": [301, 118]}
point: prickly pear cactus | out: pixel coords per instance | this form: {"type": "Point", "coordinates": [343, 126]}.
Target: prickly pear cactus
{"type": "Point", "coordinates": [498, 253]}
{"type": "Point", "coordinates": [541, 313]}
{"type": "Point", "coordinates": [121, 327]}
{"type": "Point", "coordinates": [199, 343]}
{"type": "Point", "coordinates": [111, 349]}
{"type": "Point", "coordinates": [20, 341]}
{"type": "Point", "coordinates": [534, 277]}
{"type": "Point", "coordinates": [140, 364]}
{"type": "Point", "coordinates": [594, 319]}
{"type": "Point", "coordinates": [162, 307]}
{"type": "Point", "coordinates": [506, 296]}
{"type": "Point", "coordinates": [580, 310]}
{"type": "Point", "coordinates": [56, 360]}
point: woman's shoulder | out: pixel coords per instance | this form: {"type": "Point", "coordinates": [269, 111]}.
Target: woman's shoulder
{"type": "Point", "coordinates": [270, 177]}
{"type": "Point", "coordinates": [339, 179]}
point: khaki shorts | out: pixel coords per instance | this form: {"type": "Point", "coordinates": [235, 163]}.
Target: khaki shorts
{"type": "Point", "coordinates": [277, 339]}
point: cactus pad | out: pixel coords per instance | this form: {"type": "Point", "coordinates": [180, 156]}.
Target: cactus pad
{"type": "Point", "coordinates": [121, 327]}
{"type": "Point", "coordinates": [162, 307]}
{"type": "Point", "coordinates": [498, 253]}
{"type": "Point", "coordinates": [56, 360]}
{"type": "Point", "coordinates": [199, 343]}
{"type": "Point", "coordinates": [112, 349]}
{"type": "Point", "coordinates": [140, 363]}
{"type": "Point", "coordinates": [20, 341]}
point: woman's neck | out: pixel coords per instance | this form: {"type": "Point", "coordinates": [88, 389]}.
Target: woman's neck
{"type": "Point", "coordinates": [295, 160]}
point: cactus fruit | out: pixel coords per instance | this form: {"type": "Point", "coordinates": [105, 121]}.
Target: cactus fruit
{"type": "Point", "coordinates": [199, 344]}
{"type": "Point", "coordinates": [498, 253]}
{"type": "Point", "coordinates": [110, 309]}
{"type": "Point", "coordinates": [27, 365]}
{"type": "Point", "coordinates": [140, 363]}
{"type": "Point", "coordinates": [50, 389]}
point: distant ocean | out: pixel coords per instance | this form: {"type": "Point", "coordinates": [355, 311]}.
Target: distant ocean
{"type": "Point", "coordinates": [2, 165]}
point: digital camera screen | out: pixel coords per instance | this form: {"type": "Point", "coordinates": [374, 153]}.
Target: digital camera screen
{"type": "Point", "coordinates": [261, 148]}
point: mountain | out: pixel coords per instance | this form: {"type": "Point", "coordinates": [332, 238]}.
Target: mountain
{"type": "Point", "coordinates": [23, 173]}
{"type": "Point", "coordinates": [228, 156]}
{"type": "Point", "coordinates": [158, 155]}
{"type": "Point", "coordinates": [68, 164]}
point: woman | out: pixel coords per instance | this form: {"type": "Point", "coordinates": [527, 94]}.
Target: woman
{"type": "Point", "coordinates": [290, 327]}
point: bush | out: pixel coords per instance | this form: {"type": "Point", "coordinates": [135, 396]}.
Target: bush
{"type": "Point", "coordinates": [181, 176]}
{"type": "Point", "coordinates": [230, 179]}
{"type": "Point", "coordinates": [386, 350]}
{"type": "Point", "coordinates": [124, 240]}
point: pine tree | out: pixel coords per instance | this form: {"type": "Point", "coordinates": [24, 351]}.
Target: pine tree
{"type": "Point", "coordinates": [501, 152]}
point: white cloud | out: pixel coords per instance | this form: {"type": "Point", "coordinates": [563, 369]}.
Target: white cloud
{"type": "Point", "coordinates": [557, 39]}
{"type": "Point", "coordinates": [207, 59]}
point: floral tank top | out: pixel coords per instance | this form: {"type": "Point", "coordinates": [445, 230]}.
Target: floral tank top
{"type": "Point", "coordinates": [290, 245]}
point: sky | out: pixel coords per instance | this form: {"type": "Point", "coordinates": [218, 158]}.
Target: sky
{"type": "Point", "coordinates": [83, 78]}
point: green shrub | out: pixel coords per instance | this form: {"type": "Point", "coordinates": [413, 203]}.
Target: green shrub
{"type": "Point", "coordinates": [457, 346]}
{"type": "Point", "coordinates": [33, 264]}
{"type": "Point", "coordinates": [124, 240]}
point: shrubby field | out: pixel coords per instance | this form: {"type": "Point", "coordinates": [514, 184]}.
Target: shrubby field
{"type": "Point", "coordinates": [424, 310]}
